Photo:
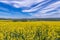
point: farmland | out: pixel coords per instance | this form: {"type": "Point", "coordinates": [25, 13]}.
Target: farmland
{"type": "Point", "coordinates": [40, 30]}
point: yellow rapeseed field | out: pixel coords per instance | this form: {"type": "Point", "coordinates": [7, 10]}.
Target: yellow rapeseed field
{"type": "Point", "coordinates": [41, 30]}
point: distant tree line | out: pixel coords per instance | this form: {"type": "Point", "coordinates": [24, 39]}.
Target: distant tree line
{"type": "Point", "coordinates": [33, 19]}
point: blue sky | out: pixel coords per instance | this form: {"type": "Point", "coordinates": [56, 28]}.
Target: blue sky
{"type": "Point", "coordinates": [29, 8]}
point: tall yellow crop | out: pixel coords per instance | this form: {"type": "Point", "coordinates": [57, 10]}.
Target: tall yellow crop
{"type": "Point", "coordinates": [42, 30]}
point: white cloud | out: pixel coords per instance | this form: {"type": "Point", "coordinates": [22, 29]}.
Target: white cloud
{"type": "Point", "coordinates": [54, 5]}
{"type": "Point", "coordinates": [36, 7]}
{"type": "Point", "coordinates": [51, 7]}
{"type": "Point", "coordinates": [43, 12]}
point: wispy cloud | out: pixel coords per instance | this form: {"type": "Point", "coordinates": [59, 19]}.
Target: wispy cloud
{"type": "Point", "coordinates": [21, 3]}
{"type": "Point", "coordinates": [46, 11]}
